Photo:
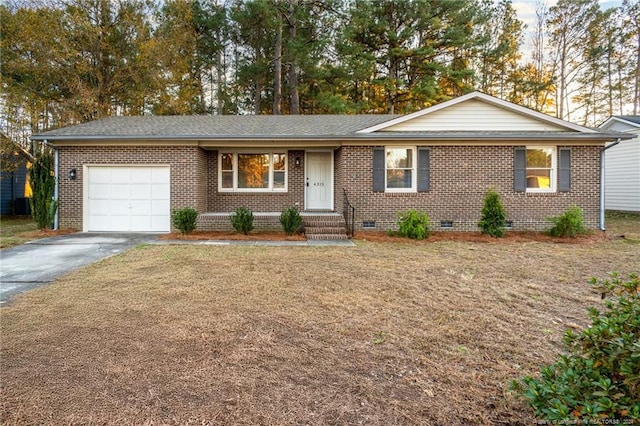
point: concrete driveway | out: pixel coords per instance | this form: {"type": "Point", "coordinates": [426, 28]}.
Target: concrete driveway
{"type": "Point", "coordinates": [41, 261]}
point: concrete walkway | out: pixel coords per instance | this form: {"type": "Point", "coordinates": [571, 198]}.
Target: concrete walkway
{"type": "Point", "coordinates": [40, 262]}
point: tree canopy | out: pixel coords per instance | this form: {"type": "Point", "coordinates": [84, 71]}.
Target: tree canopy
{"type": "Point", "coordinates": [70, 61]}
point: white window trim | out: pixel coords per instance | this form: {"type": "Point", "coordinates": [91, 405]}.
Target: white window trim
{"type": "Point", "coordinates": [271, 171]}
{"type": "Point", "coordinates": [414, 167]}
{"type": "Point", "coordinates": [554, 170]}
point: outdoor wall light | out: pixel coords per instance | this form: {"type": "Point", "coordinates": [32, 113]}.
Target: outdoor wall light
{"type": "Point", "coordinates": [72, 174]}
{"type": "Point", "coordinates": [298, 162]}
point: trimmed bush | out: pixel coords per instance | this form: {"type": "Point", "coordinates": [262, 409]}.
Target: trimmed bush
{"type": "Point", "coordinates": [242, 220]}
{"type": "Point", "coordinates": [568, 224]}
{"type": "Point", "coordinates": [599, 378]}
{"type": "Point", "coordinates": [184, 220]}
{"type": "Point", "coordinates": [414, 225]}
{"type": "Point", "coordinates": [493, 218]}
{"type": "Point", "coordinates": [291, 220]}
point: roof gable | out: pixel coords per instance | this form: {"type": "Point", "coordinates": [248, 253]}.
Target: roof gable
{"type": "Point", "coordinates": [477, 112]}
{"type": "Point", "coordinates": [622, 123]}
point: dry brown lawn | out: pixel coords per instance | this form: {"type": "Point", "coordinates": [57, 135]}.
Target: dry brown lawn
{"type": "Point", "coordinates": [378, 334]}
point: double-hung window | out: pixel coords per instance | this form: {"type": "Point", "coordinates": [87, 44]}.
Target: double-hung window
{"type": "Point", "coordinates": [541, 169]}
{"type": "Point", "coordinates": [400, 165]}
{"type": "Point", "coordinates": [252, 171]}
{"type": "Point", "coordinates": [401, 169]}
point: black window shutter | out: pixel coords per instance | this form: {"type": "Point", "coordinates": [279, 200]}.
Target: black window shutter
{"type": "Point", "coordinates": [564, 169]}
{"type": "Point", "coordinates": [378, 169]}
{"type": "Point", "coordinates": [520, 169]}
{"type": "Point", "coordinates": [423, 169]}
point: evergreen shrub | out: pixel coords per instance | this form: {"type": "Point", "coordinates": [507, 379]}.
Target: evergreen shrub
{"type": "Point", "coordinates": [599, 376]}
{"type": "Point", "coordinates": [493, 218]}
{"type": "Point", "coordinates": [242, 220]}
{"type": "Point", "coordinates": [414, 224]}
{"type": "Point", "coordinates": [184, 220]}
{"type": "Point", "coordinates": [291, 220]}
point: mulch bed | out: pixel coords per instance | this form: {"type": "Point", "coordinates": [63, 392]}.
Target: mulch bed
{"type": "Point", "coordinates": [477, 237]}
{"type": "Point", "coordinates": [46, 233]}
{"type": "Point", "coordinates": [219, 235]}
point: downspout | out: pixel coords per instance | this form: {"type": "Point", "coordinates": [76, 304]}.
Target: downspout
{"type": "Point", "coordinates": [56, 168]}
{"type": "Point", "coordinates": [602, 178]}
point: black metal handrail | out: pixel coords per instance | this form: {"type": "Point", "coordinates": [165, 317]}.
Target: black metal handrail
{"type": "Point", "coordinates": [349, 213]}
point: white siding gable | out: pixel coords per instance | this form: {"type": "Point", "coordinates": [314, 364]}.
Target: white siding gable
{"type": "Point", "coordinates": [474, 115]}
{"type": "Point", "coordinates": [622, 170]}
{"type": "Point", "coordinates": [617, 126]}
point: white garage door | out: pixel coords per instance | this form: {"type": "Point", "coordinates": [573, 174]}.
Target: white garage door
{"type": "Point", "coordinates": [135, 199]}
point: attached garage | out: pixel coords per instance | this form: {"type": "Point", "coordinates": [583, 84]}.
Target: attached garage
{"type": "Point", "coordinates": [126, 198]}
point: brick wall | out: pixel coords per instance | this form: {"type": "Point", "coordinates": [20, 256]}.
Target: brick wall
{"type": "Point", "coordinates": [187, 169]}
{"type": "Point", "coordinates": [459, 178]}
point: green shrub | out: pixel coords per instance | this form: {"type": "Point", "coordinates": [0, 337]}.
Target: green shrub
{"type": "Point", "coordinates": [599, 378]}
{"type": "Point", "coordinates": [184, 220]}
{"type": "Point", "coordinates": [414, 225]}
{"type": "Point", "coordinates": [493, 218]}
{"type": "Point", "coordinates": [291, 220]}
{"type": "Point", "coordinates": [43, 183]}
{"type": "Point", "coordinates": [568, 224]}
{"type": "Point", "coordinates": [242, 220]}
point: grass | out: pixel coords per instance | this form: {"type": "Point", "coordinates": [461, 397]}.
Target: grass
{"type": "Point", "coordinates": [623, 225]}
{"type": "Point", "coordinates": [378, 334]}
{"type": "Point", "coordinates": [12, 226]}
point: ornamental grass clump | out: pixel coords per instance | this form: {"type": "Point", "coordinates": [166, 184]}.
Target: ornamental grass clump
{"type": "Point", "coordinates": [242, 220]}
{"type": "Point", "coordinates": [493, 218]}
{"type": "Point", "coordinates": [599, 376]}
{"type": "Point", "coordinates": [414, 224]}
{"type": "Point", "coordinates": [184, 220]}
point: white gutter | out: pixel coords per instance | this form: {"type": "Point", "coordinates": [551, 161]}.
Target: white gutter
{"type": "Point", "coordinates": [602, 182]}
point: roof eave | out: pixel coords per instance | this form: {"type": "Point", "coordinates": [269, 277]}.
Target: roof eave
{"type": "Point", "coordinates": [203, 140]}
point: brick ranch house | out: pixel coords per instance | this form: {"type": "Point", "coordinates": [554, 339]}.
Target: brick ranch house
{"type": "Point", "coordinates": [129, 173]}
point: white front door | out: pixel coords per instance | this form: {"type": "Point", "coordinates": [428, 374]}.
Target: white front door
{"type": "Point", "coordinates": [319, 181]}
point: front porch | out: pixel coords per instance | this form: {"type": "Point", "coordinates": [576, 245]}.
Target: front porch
{"type": "Point", "coordinates": [317, 225]}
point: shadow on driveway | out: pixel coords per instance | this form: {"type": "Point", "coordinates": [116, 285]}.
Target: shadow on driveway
{"type": "Point", "coordinates": [40, 262]}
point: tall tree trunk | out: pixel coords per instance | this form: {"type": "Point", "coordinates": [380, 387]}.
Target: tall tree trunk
{"type": "Point", "coordinates": [219, 76]}
{"type": "Point", "coordinates": [636, 91]}
{"type": "Point", "coordinates": [293, 72]}
{"type": "Point", "coordinates": [277, 73]}
{"type": "Point", "coordinates": [257, 98]}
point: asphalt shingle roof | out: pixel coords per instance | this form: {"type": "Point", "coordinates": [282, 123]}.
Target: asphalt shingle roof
{"type": "Point", "coordinates": [217, 126]}
{"type": "Point", "coordinates": [631, 118]}
{"type": "Point", "coordinates": [278, 127]}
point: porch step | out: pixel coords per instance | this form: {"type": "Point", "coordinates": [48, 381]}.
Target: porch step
{"type": "Point", "coordinates": [324, 230]}
{"type": "Point", "coordinates": [325, 227]}
{"type": "Point", "coordinates": [327, 236]}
